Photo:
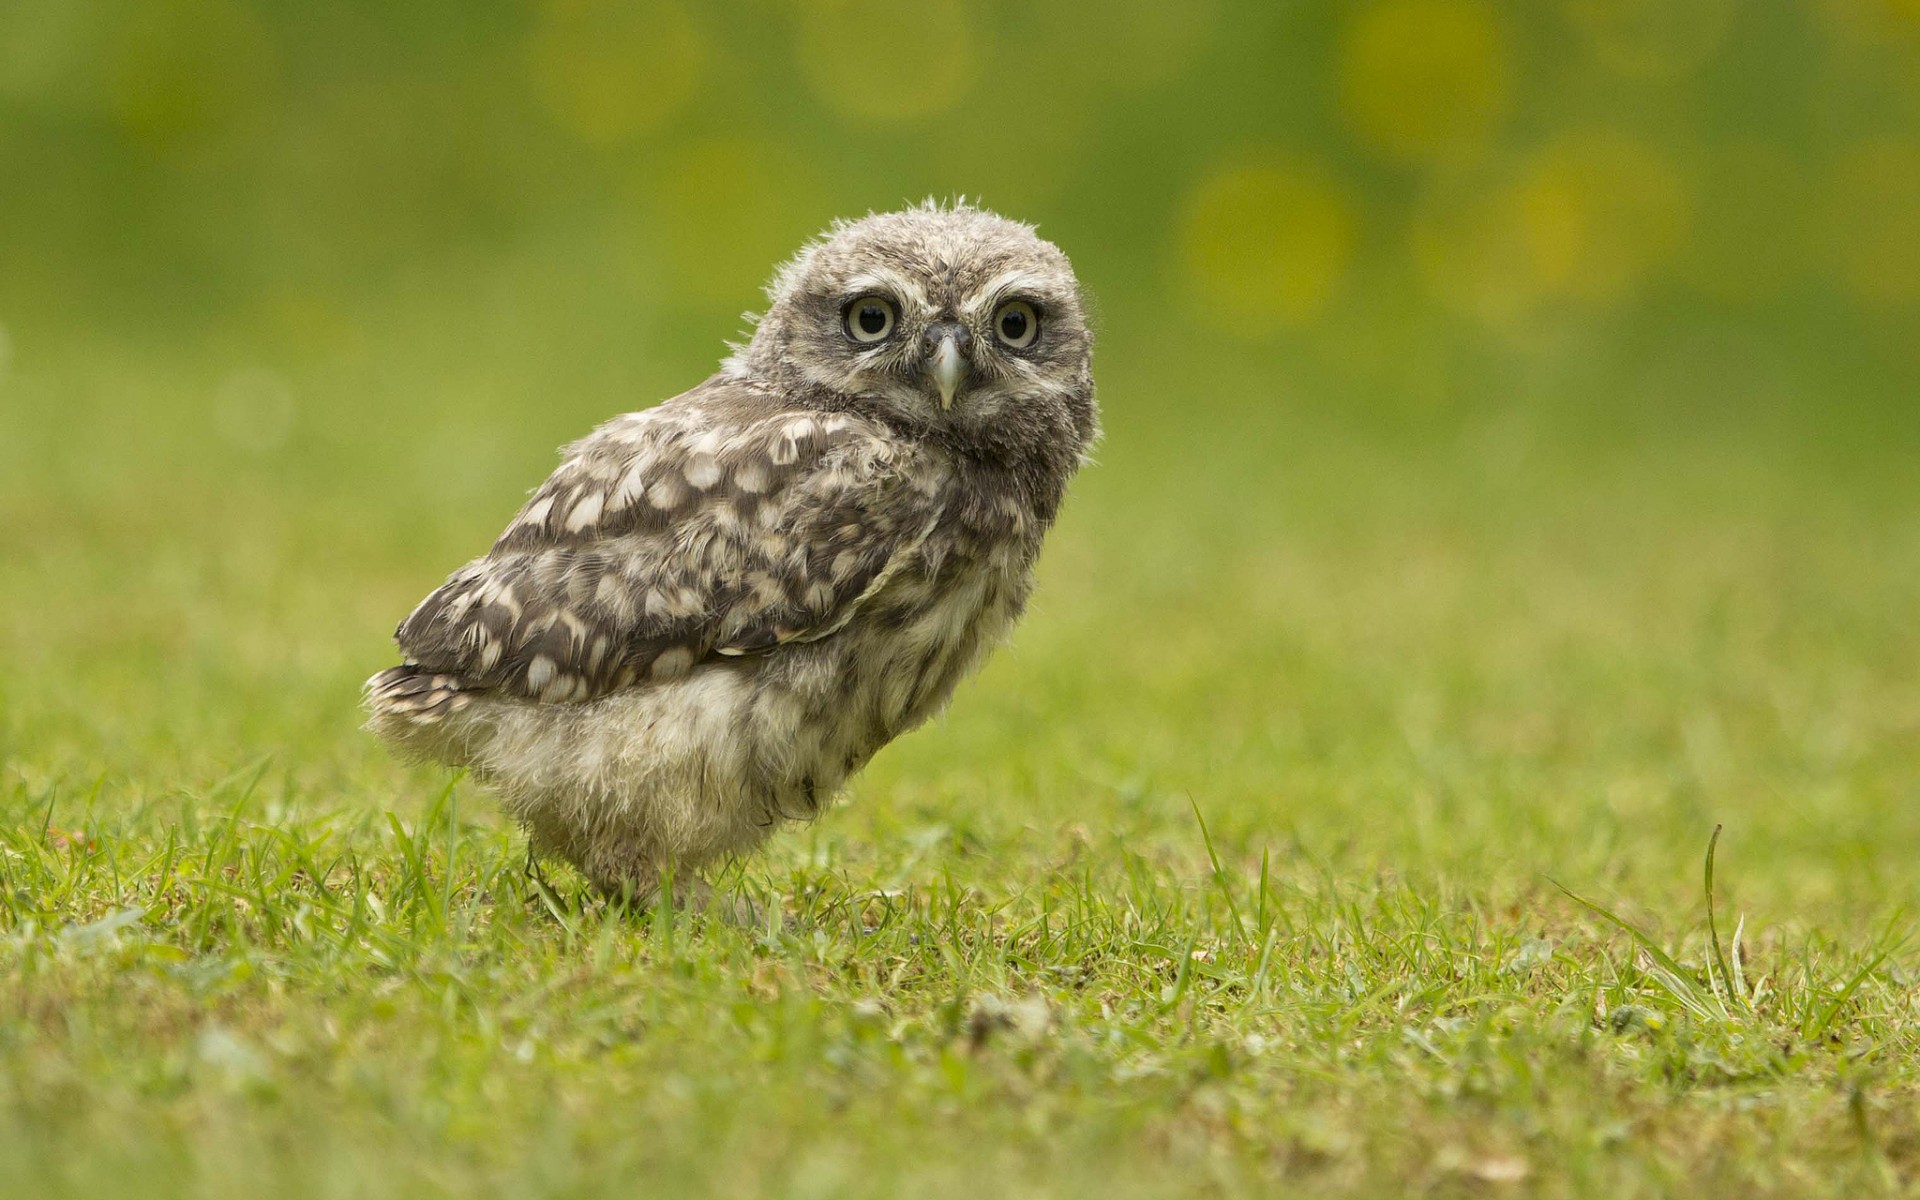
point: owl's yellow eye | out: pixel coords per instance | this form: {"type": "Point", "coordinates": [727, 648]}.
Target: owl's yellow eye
{"type": "Point", "coordinates": [1016, 323]}
{"type": "Point", "coordinates": [870, 319]}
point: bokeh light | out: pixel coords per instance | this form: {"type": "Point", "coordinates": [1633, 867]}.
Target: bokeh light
{"type": "Point", "coordinates": [1267, 246]}
{"type": "Point", "coordinates": [1422, 80]}
{"type": "Point", "coordinates": [1601, 212]}
{"type": "Point", "coordinates": [1504, 179]}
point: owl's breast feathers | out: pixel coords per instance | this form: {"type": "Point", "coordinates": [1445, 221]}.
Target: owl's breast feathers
{"type": "Point", "coordinates": [723, 522]}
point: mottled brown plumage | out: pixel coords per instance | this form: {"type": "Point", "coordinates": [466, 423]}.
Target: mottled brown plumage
{"type": "Point", "coordinates": [716, 610]}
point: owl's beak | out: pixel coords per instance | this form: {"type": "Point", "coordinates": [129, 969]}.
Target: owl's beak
{"type": "Point", "coordinates": [946, 363]}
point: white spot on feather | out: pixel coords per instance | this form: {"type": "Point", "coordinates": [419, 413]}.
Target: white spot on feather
{"type": "Point", "coordinates": [504, 597]}
{"type": "Point", "coordinates": [752, 476]}
{"type": "Point", "coordinates": [586, 513]}
{"type": "Point", "coordinates": [612, 594]}
{"type": "Point", "coordinates": [786, 447]}
{"type": "Point", "coordinates": [702, 471]}
{"type": "Point", "coordinates": [632, 486]}
{"type": "Point", "coordinates": [666, 493]}
{"type": "Point", "coordinates": [537, 511]}
{"type": "Point", "coordinates": [767, 591]}
{"type": "Point", "coordinates": [672, 664]}
{"type": "Point", "coordinates": [692, 601]}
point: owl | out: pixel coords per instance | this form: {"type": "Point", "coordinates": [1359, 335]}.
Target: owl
{"type": "Point", "coordinates": [719, 609]}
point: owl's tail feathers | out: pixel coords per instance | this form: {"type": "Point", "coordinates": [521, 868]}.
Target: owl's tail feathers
{"type": "Point", "coordinates": [413, 693]}
{"type": "Point", "coordinates": [410, 707]}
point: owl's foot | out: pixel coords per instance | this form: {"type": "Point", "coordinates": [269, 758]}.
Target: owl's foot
{"type": "Point", "coordinates": [693, 895]}
{"type": "Point", "coordinates": [733, 906]}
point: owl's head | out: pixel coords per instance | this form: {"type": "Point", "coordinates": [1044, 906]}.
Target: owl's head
{"type": "Point", "coordinates": [950, 320]}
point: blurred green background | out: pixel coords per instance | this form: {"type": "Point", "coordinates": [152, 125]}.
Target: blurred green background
{"type": "Point", "coordinates": [1440, 341]}
{"type": "Point", "coordinates": [1412, 211]}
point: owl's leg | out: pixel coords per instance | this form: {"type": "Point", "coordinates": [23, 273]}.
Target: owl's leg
{"type": "Point", "coordinates": [693, 894]}
{"type": "Point", "coordinates": [636, 876]}
{"type": "Point", "coordinates": [626, 850]}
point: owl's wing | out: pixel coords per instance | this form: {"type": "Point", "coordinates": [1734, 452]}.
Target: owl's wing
{"type": "Point", "coordinates": [721, 522]}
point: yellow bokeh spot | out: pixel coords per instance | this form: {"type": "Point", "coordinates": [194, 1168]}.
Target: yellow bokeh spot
{"type": "Point", "coordinates": [608, 71]}
{"type": "Point", "coordinates": [1266, 247]}
{"type": "Point", "coordinates": [881, 63]}
{"type": "Point", "coordinates": [1874, 219]}
{"type": "Point", "coordinates": [1656, 38]}
{"type": "Point", "coordinates": [1425, 80]}
{"type": "Point", "coordinates": [1599, 213]}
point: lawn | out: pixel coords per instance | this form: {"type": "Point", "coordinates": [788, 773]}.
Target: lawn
{"type": "Point", "coordinates": [1250, 867]}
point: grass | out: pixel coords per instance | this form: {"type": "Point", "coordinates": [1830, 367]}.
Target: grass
{"type": "Point", "coordinates": [1334, 826]}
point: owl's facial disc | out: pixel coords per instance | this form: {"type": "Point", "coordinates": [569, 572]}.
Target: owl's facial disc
{"type": "Point", "coordinates": [948, 319]}
{"type": "Point", "coordinates": [944, 358]}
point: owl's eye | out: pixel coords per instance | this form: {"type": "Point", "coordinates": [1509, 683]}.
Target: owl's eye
{"type": "Point", "coordinates": [1016, 323]}
{"type": "Point", "coordinates": [870, 319]}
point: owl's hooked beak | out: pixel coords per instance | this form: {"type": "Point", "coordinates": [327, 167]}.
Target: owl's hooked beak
{"type": "Point", "coordinates": [944, 346]}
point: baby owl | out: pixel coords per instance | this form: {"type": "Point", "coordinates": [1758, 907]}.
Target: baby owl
{"type": "Point", "coordinates": [717, 610]}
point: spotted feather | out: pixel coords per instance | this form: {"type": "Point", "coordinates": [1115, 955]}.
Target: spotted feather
{"type": "Point", "coordinates": [719, 523]}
